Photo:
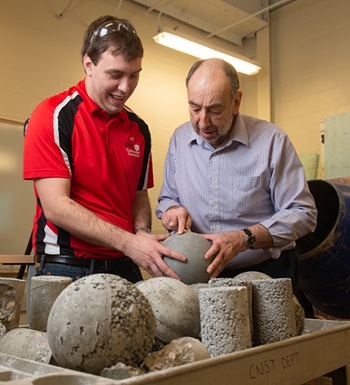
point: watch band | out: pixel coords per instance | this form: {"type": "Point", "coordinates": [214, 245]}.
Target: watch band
{"type": "Point", "coordinates": [248, 232]}
{"type": "Point", "coordinates": [146, 229]}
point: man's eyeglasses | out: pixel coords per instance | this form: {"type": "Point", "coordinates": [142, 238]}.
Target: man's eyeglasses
{"type": "Point", "coordinates": [111, 27]}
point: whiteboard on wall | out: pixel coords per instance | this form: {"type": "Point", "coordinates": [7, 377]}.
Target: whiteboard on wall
{"type": "Point", "coordinates": [17, 202]}
{"type": "Point", "coordinates": [337, 146]}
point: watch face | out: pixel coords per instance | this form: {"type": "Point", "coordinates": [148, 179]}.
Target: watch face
{"type": "Point", "coordinates": [250, 241]}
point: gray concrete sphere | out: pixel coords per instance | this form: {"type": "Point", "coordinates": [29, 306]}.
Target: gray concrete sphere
{"type": "Point", "coordinates": [193, 246]}
{"type": "Point", "coordinates": [175, 307]}
{"type": "Point", "coordinates": [98, 321]}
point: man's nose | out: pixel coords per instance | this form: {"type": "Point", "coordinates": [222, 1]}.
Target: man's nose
{"type": "Point", "coordinates": [204, 119]}
{"type": "Point", "coordinates": [124, 84]}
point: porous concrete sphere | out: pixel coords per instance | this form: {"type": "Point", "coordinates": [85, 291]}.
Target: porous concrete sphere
{"type": "Point", "coordinates": [100, 320]}
{"type": "Point", "coordinates": [252, 276]}
{"type": "Point", "coordinates": [193, 246]}
{"type": "Point", "coordinates": [175, 307]}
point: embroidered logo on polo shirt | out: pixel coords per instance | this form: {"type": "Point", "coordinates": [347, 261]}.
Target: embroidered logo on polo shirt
{"type": "Point", "coordinates": [132, 149]}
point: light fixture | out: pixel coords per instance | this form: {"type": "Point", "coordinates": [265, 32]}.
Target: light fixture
{"type": "Point", "coordinates": [180, 42]}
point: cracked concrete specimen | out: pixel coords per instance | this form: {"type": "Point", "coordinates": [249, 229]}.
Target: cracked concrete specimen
{"type": "Point", "coordinates": [121, 371]}
{"type": "Point", "coordinates": [98, 321]}
{"type": "Point", "coordinates": [193, 246]}
{"type": "Point", "coordinates": [43, 292]}
{"type": "Point", "coordinates": [28, 344]}
{"type": "Point", "coordinates": [179, 352]}
{"type": "Point", "coordinates": [11, 298]}
{"type": "Point", "coordinates": [175, 307]}
{"type": "Point", "coordinates": [225, 320]}
{"type": "Point", "coordinates": [273, 310]}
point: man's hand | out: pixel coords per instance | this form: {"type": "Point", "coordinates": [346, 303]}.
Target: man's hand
{"type": "Point", "coordinates": [177, 218]}
{"type": "Point", "coordinates": [228, 244]}
{"type": "Point", "coordinates": [147, 252]}
{"type": "Point", "coordinates": [225, 247]}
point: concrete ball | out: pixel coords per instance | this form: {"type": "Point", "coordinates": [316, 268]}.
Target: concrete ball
{"type": "Point", "coordinates": [175, 307]}
{"type": "Point", "coordinates": [193, 246]}
{"type": "Point", "coordinates": [252, 276]}
{"type": "Point", "coordinates": [98, 321]}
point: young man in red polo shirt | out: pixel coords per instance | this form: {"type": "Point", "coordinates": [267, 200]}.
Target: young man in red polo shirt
{"type": "Point", "coordinates": [90, 159]}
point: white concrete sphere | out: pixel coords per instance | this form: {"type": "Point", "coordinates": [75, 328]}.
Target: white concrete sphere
{"type": "Point", "coordinates": [175, 307]}
{"type": "Point", "coordinates": [193, 246]}
{"type": "Point", "coordinates": [98, 321]}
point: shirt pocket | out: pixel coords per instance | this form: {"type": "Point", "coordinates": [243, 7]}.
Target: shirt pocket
{"type": "Point", "coordinates": [245, 183]}
{"type": "Point", "coordinates": [242, 198]}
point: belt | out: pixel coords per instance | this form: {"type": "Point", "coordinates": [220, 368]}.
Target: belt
{"type": "Point", "coordinates": [100, 264]}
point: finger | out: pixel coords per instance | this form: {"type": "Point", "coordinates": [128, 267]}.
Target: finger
{"type": "Point", "coordinates": [171, 224]}
{"type": "Point", "coordinates": [181, 225]}
{"type": "Point", "coordinates": [161, 237]}
{"type": "Point", "coordinates": [217, 261]}
{"type": "Point", "coordinates": [188, 222]}
{"type": "Point", "coordinates": [153, 270]}
{"type": "Point", "coordinates": [212, 252]}
{"type": "Point", "coordinates": [218, 269]}
{"type": "Point", "coordinates": [173, 254]}
{"type": "Point", "coordinates": [167, 271]}
{"type": "Point", "coordinates": [168, 222]}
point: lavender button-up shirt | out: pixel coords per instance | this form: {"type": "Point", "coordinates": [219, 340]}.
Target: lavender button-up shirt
{"type": "Point", "coordinates": [255, 177]}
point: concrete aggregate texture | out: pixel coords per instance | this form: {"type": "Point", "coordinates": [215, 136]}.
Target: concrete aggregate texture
{"type": "Point", "coordinates": [225, 321]}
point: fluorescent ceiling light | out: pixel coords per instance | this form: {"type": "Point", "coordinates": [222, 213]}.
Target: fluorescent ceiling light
{"type": "Point", "coordinates": [178, 41]}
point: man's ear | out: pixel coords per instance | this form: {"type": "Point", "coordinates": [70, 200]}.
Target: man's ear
{"type": "Point", "coordinates": [237, 102]}
{"type": "Point", "coordinates": [87, 64]}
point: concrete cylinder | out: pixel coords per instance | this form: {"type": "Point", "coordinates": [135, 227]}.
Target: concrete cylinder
{"type": "Point", "coordinates": [225, 320]}
{"type": "Point", "coordinates": [11, 298]}
{"type": "Point", "coordinates": [273, 310]}
{"type": "Point", "coordinates": [43, 293]}
{"type": "Point", "coordinates": [28, 344]}
{"type": "Point", "coordinates": [230, 282]}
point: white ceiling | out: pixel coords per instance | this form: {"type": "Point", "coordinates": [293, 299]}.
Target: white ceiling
{"type": "Point", "coordinates": [231, 20]}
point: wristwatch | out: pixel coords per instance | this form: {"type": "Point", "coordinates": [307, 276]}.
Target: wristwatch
{"type": "Point", "coordinates": [146, 229]}
{"type": "Point", "coordinates": [250, 241]}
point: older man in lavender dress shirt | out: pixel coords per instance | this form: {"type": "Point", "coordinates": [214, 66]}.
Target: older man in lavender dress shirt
{"type": "Point", "coordinates": [235, 179]}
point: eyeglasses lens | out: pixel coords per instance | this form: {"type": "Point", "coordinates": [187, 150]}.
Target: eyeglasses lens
{"type": "Point", "coordinates": [110, 27]}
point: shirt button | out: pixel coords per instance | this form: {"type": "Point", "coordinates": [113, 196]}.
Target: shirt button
{"type": "Point", "coordinates": [213, 205]}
